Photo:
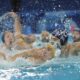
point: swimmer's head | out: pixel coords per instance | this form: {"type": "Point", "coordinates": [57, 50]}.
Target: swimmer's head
{"type": "Point", "coordinates": [45, 36]}
{"type": "Point", "coordinates": [7, 38]}
{"type": "Point", "coordinates": [30, 38]}
{"type": "Point", "coordinates": [76, 35]}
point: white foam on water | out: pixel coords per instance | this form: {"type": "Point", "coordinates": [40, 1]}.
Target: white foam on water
{"type": "Point", "coordinates": [20, 62]}
{"type": "Point", "coordinates": [7, 74]}
{"type": "Point", "coordinates": [35, 74]}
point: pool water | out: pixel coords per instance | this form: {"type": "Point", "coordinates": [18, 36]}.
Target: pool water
{"type": "Point", "coordinates": [55, 69]}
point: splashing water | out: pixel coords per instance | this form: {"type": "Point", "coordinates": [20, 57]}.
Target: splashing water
{"type": "Point", "coordinates": [55, 69]}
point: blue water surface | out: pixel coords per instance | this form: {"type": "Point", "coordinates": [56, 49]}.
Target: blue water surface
{"type": "Point", "coordinates": [56, 69]}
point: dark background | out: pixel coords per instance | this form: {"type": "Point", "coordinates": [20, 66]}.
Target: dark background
{"type": "Point", "coordinates": [33, 11]}
{"type": "Point", "coordinates": [37, 5]}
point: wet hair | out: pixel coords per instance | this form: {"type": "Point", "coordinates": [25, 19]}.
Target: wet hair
{"type": "Point", "coordinates": [3, 36]}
